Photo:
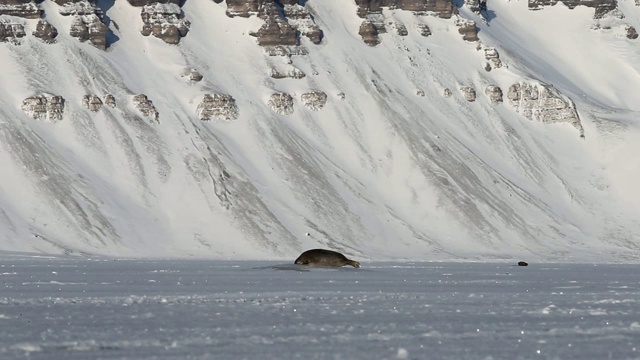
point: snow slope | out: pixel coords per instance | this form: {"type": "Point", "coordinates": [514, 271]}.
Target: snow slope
{"type": "Point", "coordinates": [382, 174]}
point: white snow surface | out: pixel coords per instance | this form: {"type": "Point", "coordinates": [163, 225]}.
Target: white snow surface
{"type": "Point", "coordinates": [98, 308]}
{"type": "Point", "coordinates": [383, 174]}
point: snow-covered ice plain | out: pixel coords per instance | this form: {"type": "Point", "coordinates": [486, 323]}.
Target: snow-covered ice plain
{"type": "Point", "coordinates": [78, 308]}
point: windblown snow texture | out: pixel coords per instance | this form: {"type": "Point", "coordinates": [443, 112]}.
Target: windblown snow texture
{"type": "Point", "coordinates": [76, 308]}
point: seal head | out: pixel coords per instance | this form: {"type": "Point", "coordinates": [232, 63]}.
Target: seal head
{"type": "Point", "coordinates": [324, 257]}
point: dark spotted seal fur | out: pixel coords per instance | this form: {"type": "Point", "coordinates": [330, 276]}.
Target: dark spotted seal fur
{"type": "Point", "coordinates": [324, 257]}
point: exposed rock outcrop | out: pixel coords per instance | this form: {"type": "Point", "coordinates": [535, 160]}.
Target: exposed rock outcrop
{"type": "Point", "coordinates": [369, 33]}
{"type": "Point", "coordinates": [494, 93]}
{"type": "Point", "coordinates": [282, 103]}
{"type": "Point", "coordinates": [243, 8]}
{"type": "Point", "coordinates": [544, 103]}
{"type": "Point", "coordinates": [492, 56]}
{"type": "Point", "coordinates": [469, 93]}
{"type": "Point", "coordinates": [303, 22]}
{"type": "Point", "coordinates": [371, 11]}
{"type": "Point", "coordinates": [45, 32]}
{"type": "Point", "coordinates": [446, 93]}
{"type": "Point", "coordinates": [443, 8]}
{"type": "Point", "coordinates": [602, 6]}
{"type": "Point", "coordinates": [314, 100]}
{"type": "Point", "coordinates": [110, 101]}
{"type": "Point", "coordinates": [285, 21]}
{"type": "Point", "coordinates": [164, 21]}
{"type": "Point", "coordinates": [424, 30]}
{"type": "Point", "coordinates": [145, 106]}
{"type": "Point", "coordinates": [46, 108]}
{"type": "Point", "coordinates": [11, 32]}
{"type": "Point", "coordinates": [473, 5]}
{"type": "Point", "coordinates": [140, 3]}
{"type": "Point", "coordinates": [192, 74]}
{"type": "Point", "coordinates": [288, 51]}
{"type": "Point", "coordinates": [92, 102]}
{"type": "Point", "coordinates": [87, 24]}
{"type": "Point", "coordinates": [217, 106]}
{"type": "Point", "coordinates": [632, 33]}
{"type": "Point", "coordinates": [90, 28]}
{"type": "Point", "coordinates": [468, 29]}
{"type": "Point", "coordinates": [78, 7]}
{"type": "Point", "coordinates": [401, 29]}
{"type": "Point", "coordinates": [293, 73]}
{"type": "Point", "coordinates": [21, 8]}
{"type": "Point", "coordinates": [276, 31]}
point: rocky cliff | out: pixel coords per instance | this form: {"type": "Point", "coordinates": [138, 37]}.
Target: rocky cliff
{"type": "Point", "coordinates": [22, 8]}
{"type": "Point", "coordinates": [601, 7]}
{"type": "Point", "coordinates": [164, 21]}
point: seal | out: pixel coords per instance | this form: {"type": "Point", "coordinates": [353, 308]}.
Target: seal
{"type": "Point", "coordinates": [522, 263]}
{"type": "Point", "coordinates": [325, 258]}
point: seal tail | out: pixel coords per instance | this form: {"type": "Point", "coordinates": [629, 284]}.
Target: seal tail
{"type": "Point", "coordinates": [353, 263]}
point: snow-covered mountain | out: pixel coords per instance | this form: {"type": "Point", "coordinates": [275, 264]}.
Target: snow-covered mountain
{"type": "Point", "coordinates": [257, 129]}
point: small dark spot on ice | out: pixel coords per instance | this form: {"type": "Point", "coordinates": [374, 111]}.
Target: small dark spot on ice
{"type": "Point", "coordinates": [522, 263]}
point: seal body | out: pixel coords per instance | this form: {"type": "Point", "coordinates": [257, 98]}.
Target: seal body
{"type": "Point", "coordinates": [325, 258]}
